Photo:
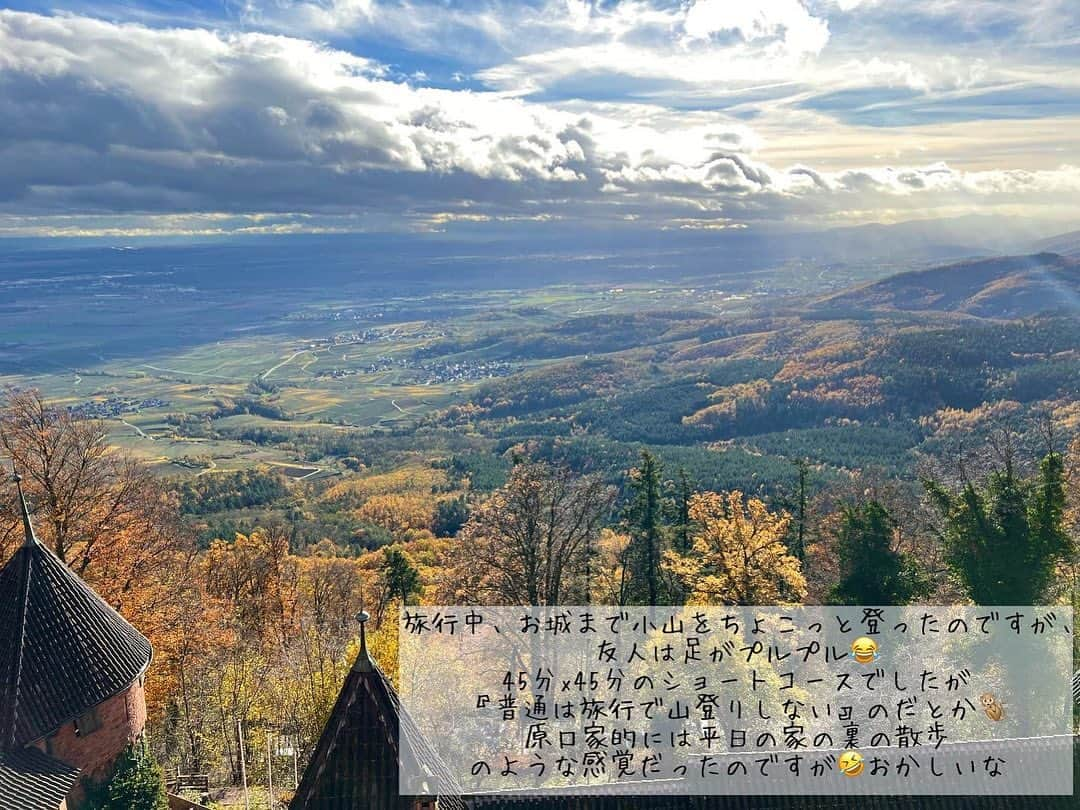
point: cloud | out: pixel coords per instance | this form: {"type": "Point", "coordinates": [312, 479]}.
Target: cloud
{"type": "Point", "coordinates": [786, 23]}
{"type": "Point", "coordinates": [131, 126]}
{"type": "Point", "coordinates": [665, 48]}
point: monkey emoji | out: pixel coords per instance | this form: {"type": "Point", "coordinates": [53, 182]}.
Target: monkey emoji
{"type": "Point", "coordinates": [990, 705]}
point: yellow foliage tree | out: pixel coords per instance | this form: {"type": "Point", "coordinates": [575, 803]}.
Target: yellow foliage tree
{"type": "Point", "coordinates": [398, 513]}
{"type": "Point", "coordinates": [609, 575]}
{"type": "Point", "coordinates": [413, 478]}
{"type": "Point", "coordinates": [738, 555]}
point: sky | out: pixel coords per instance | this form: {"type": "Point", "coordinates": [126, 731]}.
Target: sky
{"type": "Point", "coordinates": [141, 117]}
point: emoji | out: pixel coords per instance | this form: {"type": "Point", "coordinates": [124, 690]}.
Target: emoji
{"type": "Point", "coordinates": [864, 649]}
{"type": "Point", "coordinates": [993, 709]}
{"type": "Point", "coordinates": [850, 763]}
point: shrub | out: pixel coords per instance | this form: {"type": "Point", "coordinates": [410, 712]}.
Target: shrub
{"type": "Point", "coordinates": [137, 783]}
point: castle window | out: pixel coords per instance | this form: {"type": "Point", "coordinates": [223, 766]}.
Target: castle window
{"type": "Point", "coordinates": [87, 723]}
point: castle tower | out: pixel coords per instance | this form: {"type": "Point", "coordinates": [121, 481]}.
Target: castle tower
{"type": "Point", "coordinates": [71, 674]}
{"type": "Point", "coordinates": [355, 763]}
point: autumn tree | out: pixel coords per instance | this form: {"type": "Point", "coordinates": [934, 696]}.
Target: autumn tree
{"type": "Point", "coordinates": [272, 644]}
{"type": "Point", "coordinates": [530, 542]}
{"type": "Point", "coordinates": [251, 583]}
{"type": "Point", "coordinates": [398, 513]}
{"type": "Point", "coordinates": [309, 672]}
{"type": "Point", "coordinates": [188, 730]}
{"type": "Point", "coordinates": [1005, 538]}
{"type": "Point", "coordinates": [872, 571]}
{"type": "Point", "coordinates": [609, 580]}
{"type": "Point", "coordinates": [105, 515]}
{"type": "Point", "coordinates": [239, 663]}
{"type": "Point", "coordinates": [331, 589]}
{"type": "Point", "coordinates": [255, 577]}
{"type": "Point", "coordinates": [84, 493]}
{"type": "Point", "coordinates": [738, 554]}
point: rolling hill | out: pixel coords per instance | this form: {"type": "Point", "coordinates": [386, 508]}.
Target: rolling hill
{"type": "Point", "coordinates": [1000, 287]}
{"type": "Point", "coordinates": [1067, 244]}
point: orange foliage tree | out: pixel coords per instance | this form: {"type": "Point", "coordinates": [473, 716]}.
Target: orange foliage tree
{"type": "Point", "coordinates": [103, 514]}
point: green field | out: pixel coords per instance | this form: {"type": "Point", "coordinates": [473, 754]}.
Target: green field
{"type": "Point", "coordinates": [329, 377]}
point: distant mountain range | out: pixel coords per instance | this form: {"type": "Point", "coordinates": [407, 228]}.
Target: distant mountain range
{"type": "Point", "coordinates": [1000, 287]}
{"type": "Point", "coordinates": [1067, 244]}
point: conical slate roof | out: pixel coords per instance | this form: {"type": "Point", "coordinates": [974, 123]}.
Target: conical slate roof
{"type": "Point", "coordinates": [368, 735]}
{"type": "Point", "coordinates": [63, 649]}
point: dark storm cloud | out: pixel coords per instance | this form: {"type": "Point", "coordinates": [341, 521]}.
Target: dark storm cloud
{"type": "Point", "coordinates": [104, 118]}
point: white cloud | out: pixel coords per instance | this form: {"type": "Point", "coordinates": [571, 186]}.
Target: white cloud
{"type": "Point", "coordinates": [786, 21]}
{"type": "Point", "coordinates": [124, 120]}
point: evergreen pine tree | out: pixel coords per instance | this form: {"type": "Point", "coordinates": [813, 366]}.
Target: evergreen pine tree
{"type": "Point", "coordinates": [450, 516]}
{"type": "Point", "coordinates": [871, 571]}
{"type": "Point", "coordinates": [684, 491]}
{"type": "Point", "coordinates": [137, 783]}
{"type": "Point", "coordinates": [402, 578]}
{"type": "Point", "coordinates": [1004, 540]}
{"type": "Point", "coordinates": [800, 516]}
{"type": "Point", "coordinates": [645, 519]}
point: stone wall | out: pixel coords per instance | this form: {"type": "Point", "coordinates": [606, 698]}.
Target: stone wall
{"type": "Point", "coordinates": [120, 720]}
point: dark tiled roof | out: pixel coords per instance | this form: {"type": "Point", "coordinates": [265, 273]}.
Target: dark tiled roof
{"type": "Point", "coordinates": [357, 756]}
{"type": "Point", "coordinates": [63, 650]}
{"type": "Point", "coordinates": [32, 780]}
{"type": "Point", "coordinates": [356, 761]}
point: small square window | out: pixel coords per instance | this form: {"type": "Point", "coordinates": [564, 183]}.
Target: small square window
{"type": "Point", "coordinates": [87, 723]}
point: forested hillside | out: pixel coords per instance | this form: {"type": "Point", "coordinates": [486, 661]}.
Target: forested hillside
{"type": "Point", "coordinates": [874, 447]}
{"type": "Point", "coordinates": [1006, 287]}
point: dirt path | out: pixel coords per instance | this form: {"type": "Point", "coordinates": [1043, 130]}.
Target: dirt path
{"type": "Point", "coordinates": [187, 373]}
{"type": "Point", "coordinates": [284, 362]}
{"type": "Point", "coordinates": [138, 430]}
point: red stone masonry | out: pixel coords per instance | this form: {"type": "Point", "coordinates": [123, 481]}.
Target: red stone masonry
{"type": "Point", "coordinates": [121, 720]}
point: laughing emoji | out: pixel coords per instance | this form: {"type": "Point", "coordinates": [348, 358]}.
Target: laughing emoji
{"type": "Point", "coordinates": [850, 763]}
{"type": "Point", "coordinates": [864, 649]}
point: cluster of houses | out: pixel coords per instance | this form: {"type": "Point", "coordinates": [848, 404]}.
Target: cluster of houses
{"type": "Point", "coordinates": [429, 373]}
{"type": "Point", "coordinates": [114, 407]}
